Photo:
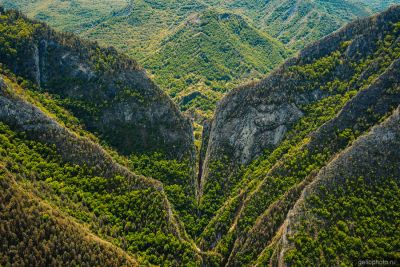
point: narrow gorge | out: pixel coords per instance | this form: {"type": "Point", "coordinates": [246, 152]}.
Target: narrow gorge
{"type": "Point", "coordinates": [300, 168]}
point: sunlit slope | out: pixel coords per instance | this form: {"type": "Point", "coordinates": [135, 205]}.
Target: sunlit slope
{"type": "Point", "coordinates": [209, 54]}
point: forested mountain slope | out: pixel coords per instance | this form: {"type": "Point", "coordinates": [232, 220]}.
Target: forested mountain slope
{"type": "Point", "coordinates": [107, 91]}
{"type": "Point", "coordinates": [268, 139]}
{"type": "Point", "coordinates": [92, 152]}
{"type": "Point", "coordinates": [151, 31]}
{"type": "Point", "coordinates": [297, 23]}
{"type": "Point", "coordinates": [349, 211]}
{"type": "Point", "coordinates": [69, 169]}
{"type": "Point", "coordinates": [35, 234]}
{"type": "Point", "coordinates": [61, 98]}
{"type": "Point", "coordinates": [210, 53]}
{"type": "Point", "coordinates": [379, 5]}
{"type": "Point", "coordinates": [145, 23]}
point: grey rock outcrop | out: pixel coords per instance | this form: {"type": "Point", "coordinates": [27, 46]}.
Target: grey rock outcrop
{"type": "Point", "coordinates": [380, 147]}
{"type": "Point", "coordinates": [25, 117]}
{"type": "Point", "coordinates": [107, 91]}
{"type": "Point", "coordinates": [256, 117]}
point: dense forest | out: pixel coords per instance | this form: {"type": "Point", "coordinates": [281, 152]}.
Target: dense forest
{"type": "Point", "coordinates": [302, 116]}
{"type": "Point", "coordinates": [195, 63]}
{"type": "Point", "coordinates": [68, 170]}
{"type": "Point", "coordinates": [36, 234]}
{"type": "Point", "coordinates": [98, 165]}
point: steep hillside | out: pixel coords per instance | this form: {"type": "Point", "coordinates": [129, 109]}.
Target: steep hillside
{"type": "Point", "coordinates": [310, 21]}
{"type": "Point", "coordinates": [358, 115]}
{"type": "Point", "coordinates": [379, 5]}
{"type": "Point", "coordinates": [71, 171]}
{"type": "Point", "coordinates": [107, 91]}
{"type": "Point", "coordinates": [111, 96]}
{"type": "Point", "coordinates": [297, 23]}
{"type": "Point", "coordinates": [350, 211]}
{"type": "Point", "coordinates": [41, 235]}
{"type": "Point", "coordinates": [268, 139]}
{"type": "Point", "coordinates": [79, 16]}
{"type": "Point", "coordinates": [300, 168]}
{"type": "Point", "coordinates": [209, 54]}
{"type": "Point", "coordinates": [194, 62]}
{"type": "Point", "coordinates": [61, 98]}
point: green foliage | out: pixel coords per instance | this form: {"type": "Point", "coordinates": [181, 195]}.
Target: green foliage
{"type": "Point", "coordinates": [378, 5]}
{"type": "Point", "coordinates": [196, 62]}
{"type": "Point", "coordinates": [112, 97]}
{"type": "Point", "coordinates": [190, 48]}
{"type": "Point", "coordinates": [212, 53]}
{"type": "Point", "coordinates": [353, 221]}
{"type": "Point", "coordinates": [157, 166]}
{"type": "Point", "coordinates": [111, 207]}
{"type": "Point", "coordinates": [216, 192]}
{"type": "Point", "coordinates": [13, 37]}
{"type": "Point", "coordinates": [178, 181]}
{"type": "Point", "coordinates": [34, 233]}
{"type": "Point", "coordinates": [267, 178]}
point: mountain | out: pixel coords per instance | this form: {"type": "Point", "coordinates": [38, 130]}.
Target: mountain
{"type": "Point", "coordinates": [339, 203]}
{"type": "Point", "coordinates": [159, 35]}
{"type": "Point", "coordinates": [57, 239]}
{"type": "Point", "coordinates": [134, 26]}
{"type": "Point", "coordinates": [76, 190]}
{"type": "Point", "coordinates": [104, 89]}
{"type": "Point", "coordinates": [297, 23]}
{"type": "Point", "coordinates": [300, 22]}
{"type": "Point", "coordinates": [138, 26]}
{"type": "Point", "coordinates": [80, 126]}
{"type": "Point", "coordinates": [268, 140]}
{"type": "Point", "coordinates": [108, 93]}
{"type": "Point", "coordinates": [378, 5]}
{"type": "Point", "coordinates": [207, 55]}
{"type": "Point", "coordinates": [97, 164]}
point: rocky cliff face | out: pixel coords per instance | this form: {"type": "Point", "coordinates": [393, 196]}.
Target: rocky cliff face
{"type": "Point", "coordinates": [106, 90]}
{"type": "Point", "coordinates": [267, 140]}
{"type": "Point", "coordinates": [50, 79]}
{"type": "Point", "coordinates": [360, 113]}
{"type": "Point", "coordinates": [25, 117]}
{"type": "Point", "coordinates": [255, 118]}
{"type": "Point", "coordinates": [370, 163]}
{"type": "Point", "coordinates": [300, 136]}
{"type": "Point", "coordinates": [31, 122]}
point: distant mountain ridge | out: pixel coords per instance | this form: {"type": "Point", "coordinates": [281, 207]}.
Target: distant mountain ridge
{"type": "Point", "coordinates": [269, 138]}
{"type": "Point", "coordinates": [97, 164]}
{"type": "Point", "coordinates": [104, 89]}
{"type": "Point", "coordinates": [147, 30]}
{"type": "Point", "coordinates": [209, 54]}
{"type": "Point", "coordinates": [85, 117]}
